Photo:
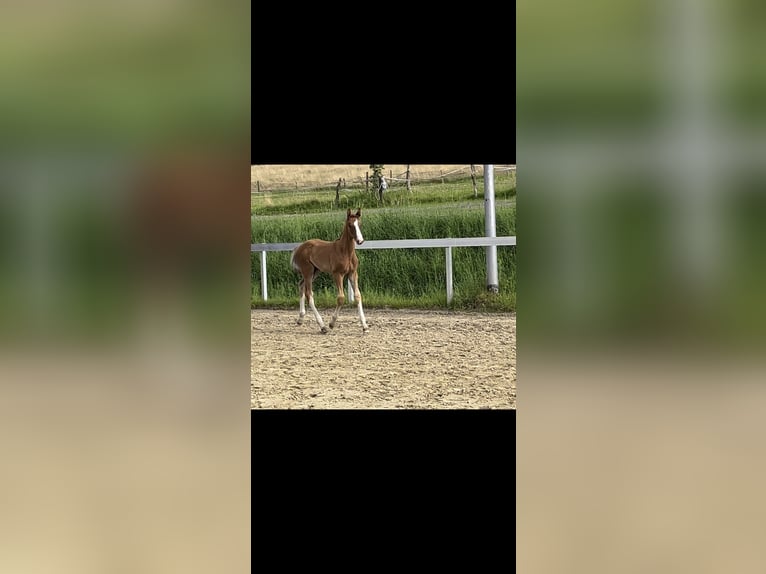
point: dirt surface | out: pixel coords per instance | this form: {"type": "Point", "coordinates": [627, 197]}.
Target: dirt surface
{"type": "Point", "coordinates": [407, 360]}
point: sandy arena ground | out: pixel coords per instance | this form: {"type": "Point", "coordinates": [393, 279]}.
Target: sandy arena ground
{"type": "Point", "coordinates": [407, 360]}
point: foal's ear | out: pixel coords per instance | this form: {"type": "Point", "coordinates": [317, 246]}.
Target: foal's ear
{"type": "Point", "coordinates": [359, 212]}
{"type": "Point", "coordinates": [348, 212]}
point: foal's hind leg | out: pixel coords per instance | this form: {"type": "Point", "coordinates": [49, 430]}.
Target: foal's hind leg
{"type": "Point", "coordinates": [310, 293]}
{"type": "Point", "coordinates": [302, 308]}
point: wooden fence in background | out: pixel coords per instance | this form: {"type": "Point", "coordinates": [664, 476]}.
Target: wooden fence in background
{"type": "Point", "coordinates": [394, 179]}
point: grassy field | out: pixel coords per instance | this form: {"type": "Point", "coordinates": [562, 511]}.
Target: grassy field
{"type": "Point", "coordinates": [394, 278]}
{"type": "Point", "coordinates": [299, 176]}
{"type": "Point", "coordinates": [453, 194]}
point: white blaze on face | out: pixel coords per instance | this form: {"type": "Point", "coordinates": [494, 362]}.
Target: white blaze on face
{"type": "Point", "coordinates": [359, 238]}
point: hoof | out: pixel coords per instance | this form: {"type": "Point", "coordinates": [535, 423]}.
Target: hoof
{"type": "Point", "coordinates": [299, 322]}
{"type": "Point", "coordinates": [324, 329]}
{"type": "Point", "coordinates": [332, 325]}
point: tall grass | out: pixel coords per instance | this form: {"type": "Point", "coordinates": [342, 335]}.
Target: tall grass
{"type": "Point", "coordinates": [394, 277]}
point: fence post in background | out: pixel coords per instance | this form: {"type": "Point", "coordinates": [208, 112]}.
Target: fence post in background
{"type": "Point", "coordinates": [258, 185]}
{"type": "Point", "coordinates": [337, 194]}
{"type": "Point", "coordinates": [448, 255]}
{"type": "Point", "coordinates": [441, 175]}
{"type": "Point", "coordinates": [367, 181]}
{"type": "Point", "coordinates": [264, 291]}
{"type": "Point", "coordinates": [409, 186]}
{"type": "Point", "coordinates": [473, 179]}
{"type": "Point", "coordinates": [493, 285]}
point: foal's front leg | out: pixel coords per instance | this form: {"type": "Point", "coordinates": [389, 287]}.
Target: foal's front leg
{"type": "Point", "coordinates": [358, 297]}
{"type": "Point", "coordinates": [341, 298]}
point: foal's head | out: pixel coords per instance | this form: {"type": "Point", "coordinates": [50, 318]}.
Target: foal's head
{"type": "Point", "coordinates": [354, 225]}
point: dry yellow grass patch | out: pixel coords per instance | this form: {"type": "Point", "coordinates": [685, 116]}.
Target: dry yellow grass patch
{"type": "Point", "coordinates": [329, 173]}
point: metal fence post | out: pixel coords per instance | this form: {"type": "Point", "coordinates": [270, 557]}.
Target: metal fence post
{"type": "Point", "coordinates": [263, 276]}
{"type": "Point", "coordinates": [489, 227]}
{"type": "Point", "coordinates": [448, 253]}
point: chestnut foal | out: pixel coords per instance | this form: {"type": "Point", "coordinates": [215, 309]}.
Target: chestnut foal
{"type": "Point", "coordinates": [338, 258]}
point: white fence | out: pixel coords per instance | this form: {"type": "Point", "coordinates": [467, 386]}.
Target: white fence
{"type": "Point", "coordinates": [448, 243]}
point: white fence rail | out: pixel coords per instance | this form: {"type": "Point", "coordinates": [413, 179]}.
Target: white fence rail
{"type": "Point", "coordinates": [447, 243]}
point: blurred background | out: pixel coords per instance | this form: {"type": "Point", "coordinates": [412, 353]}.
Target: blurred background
{"type": "Point", "coordinates": [124, 289]}
{"type": "Point", "coordinates": [642, 286]}
{"type": "Point", "coordinates": [124, 286]}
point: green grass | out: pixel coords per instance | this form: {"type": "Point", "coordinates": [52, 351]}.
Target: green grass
{"type": "Point", "coordinates": [323, 200]}
{"type": "Point", "coordinates": [395, 278]}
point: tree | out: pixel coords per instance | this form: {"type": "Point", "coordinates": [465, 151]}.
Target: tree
{"type": "Point", "coordinates": [377, 172]}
